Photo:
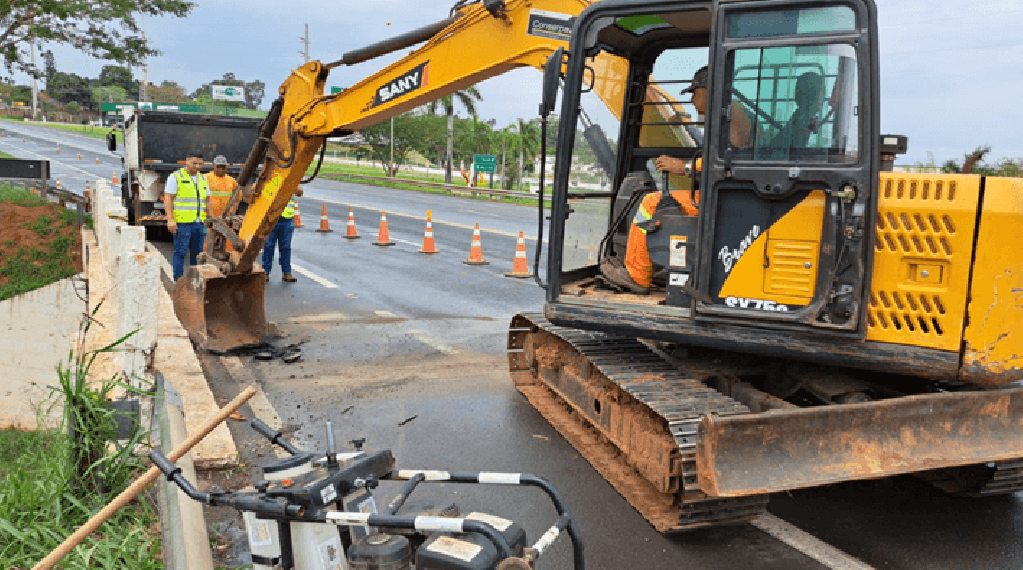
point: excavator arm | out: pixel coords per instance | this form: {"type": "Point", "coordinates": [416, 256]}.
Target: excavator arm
{"type": "Point", "coordinates": [220, 301]}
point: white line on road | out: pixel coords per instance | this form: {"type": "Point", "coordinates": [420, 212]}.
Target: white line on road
{"type": "Point", "coordinates": [314, 277]}
{"type": "Point", "coordinates": [433, 343]}
{"type": "Point", "coordinates": [44, 157]}
{"type": "Point", "coordinates": [807, 544]}
{"type": "Point", "coordinates": [423, 218]}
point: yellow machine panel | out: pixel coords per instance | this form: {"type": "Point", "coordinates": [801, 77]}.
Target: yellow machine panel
{"type": "Point", "coordinates": [781, 264]}
{"type": "Point", "coordinates": [923, 248]}
{"type": "Point", "coordinates": [993, 347]}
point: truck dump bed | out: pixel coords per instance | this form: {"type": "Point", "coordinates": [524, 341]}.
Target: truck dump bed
{"type": "Point", "coordinates": [158, 140]}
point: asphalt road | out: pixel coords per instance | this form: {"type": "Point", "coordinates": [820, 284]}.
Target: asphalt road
{"type": "Point", "coordinates": [407, 351]}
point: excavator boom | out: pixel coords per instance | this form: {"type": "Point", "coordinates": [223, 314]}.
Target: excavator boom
{"type": "Point", "coordinates": [220, 303]}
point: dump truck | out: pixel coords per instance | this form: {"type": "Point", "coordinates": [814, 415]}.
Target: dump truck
{"type": "Point", "coordinates": [155, 145]}
{"type": "Point", "coordinates": [819, 319]}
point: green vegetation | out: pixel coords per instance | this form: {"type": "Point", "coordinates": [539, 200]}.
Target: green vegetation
{"type": "Point", "coordinates": [28, 266]}
{"type": "Point", "coordinates": [52, 483]}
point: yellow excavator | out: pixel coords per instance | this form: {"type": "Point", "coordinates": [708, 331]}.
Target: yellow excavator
{"type": "Point", "coordinates": [822, 319]}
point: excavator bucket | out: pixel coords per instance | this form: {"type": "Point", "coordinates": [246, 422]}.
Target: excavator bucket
{"type": "Point", "coordinates": [221, 312]}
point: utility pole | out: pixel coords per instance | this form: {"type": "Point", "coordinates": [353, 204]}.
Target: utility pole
{"type": "Point", "coordinates": [35, 88]}
{"type": "Point", "coordinates": [305, 42]}
{"type": "Point", "coordinates": [392, 146]}
{"type": "Point", "coordinates": [144, 88]}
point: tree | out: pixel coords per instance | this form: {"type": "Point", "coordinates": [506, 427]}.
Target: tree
{"type": "Point", "coordinates": [467, 97]}
{"type": "Point", "coordinates": [168, 92]}
{"type": "Point", "coordinates": [112, 94]}
{"type": "Point", "coordinates": [525, 139]}
{"type": "Point", "coordinates": [73, 108]}
{"type": "Point", "coordinates": [411, 132]}
{"type": "Point", "coordinates": [254, 92]}
{"type": "Point", "coordinates": [67, 87]}
{"type": "Point", "coordinates": [49, 65]}
{"type": "Point", "coordinates": [104, 30]}
{"type": "Point", "coordinates": [118, 76]}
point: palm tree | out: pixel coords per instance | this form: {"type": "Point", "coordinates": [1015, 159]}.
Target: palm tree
{"type": "Point", "coordinates": [526, 138]}
{"type": "Point", "coordinates": [467, 97]}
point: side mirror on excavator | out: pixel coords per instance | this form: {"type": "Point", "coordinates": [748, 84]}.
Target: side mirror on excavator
{"type": "Point", "coordinates": [551, 78]}
{"type": "Point", "coordinates": [111, 141]}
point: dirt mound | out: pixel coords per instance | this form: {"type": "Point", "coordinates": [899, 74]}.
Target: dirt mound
{"type": "Point", "coordinates": [39, 244]}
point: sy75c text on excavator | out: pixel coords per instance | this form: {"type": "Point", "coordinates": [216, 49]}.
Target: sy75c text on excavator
{"type": "Point", "coordinates": [820, 319]}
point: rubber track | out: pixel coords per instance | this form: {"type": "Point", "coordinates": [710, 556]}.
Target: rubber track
{"type": "Point", "coordinates": [681, 401]}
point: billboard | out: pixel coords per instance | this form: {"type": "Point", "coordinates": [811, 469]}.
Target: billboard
{"type": "Point", "coordinates": [228, 93]}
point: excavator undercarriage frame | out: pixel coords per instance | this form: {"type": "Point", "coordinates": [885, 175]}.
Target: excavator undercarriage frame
{"type": "Point", "coordinates": [689, 444]}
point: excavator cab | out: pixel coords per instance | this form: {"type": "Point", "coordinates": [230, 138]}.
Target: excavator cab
{"type": "Point", "coordinates": [772, 221]}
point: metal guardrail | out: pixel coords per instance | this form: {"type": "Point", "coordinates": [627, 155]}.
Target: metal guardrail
{"type": "Point", "coordinates": [456, 189]}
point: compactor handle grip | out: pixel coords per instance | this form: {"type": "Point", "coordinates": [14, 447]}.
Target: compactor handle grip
{"type": "Point", "coordinates": [160, 460]}
{"type": "Point", "coordinates": [273, 435]}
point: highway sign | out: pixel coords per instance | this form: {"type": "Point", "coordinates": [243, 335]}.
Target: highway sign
{"type": "Point", "coordinates": [334, 89]}
{"type": "Point", "coordinates": [485, 163]}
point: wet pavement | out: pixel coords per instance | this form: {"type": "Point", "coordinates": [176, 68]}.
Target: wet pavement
{"type": "Point", "coordinates": [407, 350]}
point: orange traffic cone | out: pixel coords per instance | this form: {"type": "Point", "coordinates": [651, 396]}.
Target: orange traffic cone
{"type": "Point", "coordinates": [324, 226]}
{"type": "Point", "coordinates": [97, 159]}
{"type": "Point", "coordinates": [58, 148]}
{"type": "Point", "coordinates": [383, 237]}
{"type": "Point", "coordinates": [114, 180]}
{"type": "Point", "coordinates": [298, 217]}
{"type": "Point", "coordinates": [476, 249]}
{"type": "Point", "coordinates": [79, 156]}
{"type": "Point", "coordinates": [428, 245]}
{"type": "Point", "coordinates": [521, 266]}
{"type": "Point", "coordinates": [58, 184]}
{"type": "Point", "coordinates": [350, 232]}
{"type": "Point", "coordinates": [35, 191]}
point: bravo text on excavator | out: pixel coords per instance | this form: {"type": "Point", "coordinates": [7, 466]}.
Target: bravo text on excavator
{"type": "Point", "coordinates": [815, 317]}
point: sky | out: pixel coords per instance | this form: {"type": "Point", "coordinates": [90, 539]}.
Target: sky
{"type": "Point", "coordinates": [951, 71]}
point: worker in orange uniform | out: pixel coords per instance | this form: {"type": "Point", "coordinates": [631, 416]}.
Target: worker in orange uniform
{"type": "Point", "coordinates": [638, 273]}
{"type": "Point", "coordinates": [221, 186]}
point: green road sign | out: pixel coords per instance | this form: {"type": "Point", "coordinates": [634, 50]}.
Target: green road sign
{"type": "Point", "coordinates": [334, 90]}
{"type": "Point", "coordinates": [485, 162]}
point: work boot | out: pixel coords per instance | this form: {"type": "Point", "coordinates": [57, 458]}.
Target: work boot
{"type": "Point", "coordinates": [617, 274]}
{"type": "Point", "coordinates": [267, 280]}
{"type": "Point", "coordinates": [289, 278]}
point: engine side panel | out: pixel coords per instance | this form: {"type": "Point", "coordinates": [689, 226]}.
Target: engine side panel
{"type": "Point", "coordinates": [923, 248]}
{"type": "Point", "coordinates": [993, 340]}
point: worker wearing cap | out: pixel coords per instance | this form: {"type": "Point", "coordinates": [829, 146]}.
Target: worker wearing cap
{"type": "Point", "coordinates": [638, 272]}
{"type": "Point", "coordinates": [222, 186]}
{"type": "Point", "coordinates": [281, 236]}
{"type": "Point", "coordinates": [187, 201]}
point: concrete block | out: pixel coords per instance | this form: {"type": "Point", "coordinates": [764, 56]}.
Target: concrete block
{"type": "Point", "coordinates": [138, 305]}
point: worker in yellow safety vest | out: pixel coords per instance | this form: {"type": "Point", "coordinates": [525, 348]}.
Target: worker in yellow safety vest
{"type": "Point", "coordinates": [187, 201]}
{"type": "Point", "coordinates": [222, 186]}
{"type": "Point", "coordinates": [280, 236]}
{"type": "Point", "coordinates": [638, 272]}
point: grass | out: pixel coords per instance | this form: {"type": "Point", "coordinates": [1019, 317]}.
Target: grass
{"type": "Point", "coordinates": [5, 155]}
{"type": "Point", "coordinates": [52, 483]}
{"type": "Point", "coordinates": [34, 265]}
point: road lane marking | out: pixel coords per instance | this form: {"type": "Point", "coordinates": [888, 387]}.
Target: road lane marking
{"type": "Point", "coordinates": [314, 277]}
{"type": "Point", "coordinates": [808, 544]}
{"type": "Point", "coordinates": [321, 318]}
{"type": "Point", "coordinates": [433, 343]}
{"type": "Point", "coordinates": [44, 157]}
{"type": "Point", "coordinates": [422, 218]}
{"type": "Point", "coordinates": [386, 314]}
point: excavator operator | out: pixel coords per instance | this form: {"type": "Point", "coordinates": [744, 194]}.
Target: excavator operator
{"type": "Point", "coordinates": [638, 272]}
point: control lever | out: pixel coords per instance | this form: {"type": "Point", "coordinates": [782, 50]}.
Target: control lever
{"type": "Point", "coordinates": [173, 473]}
{"type": "Point", "coordinates": [358, 442]}
{"type": "Point", "coordinates": [331, 446]}
{"type": "Point", "coordinates": [274, 436]}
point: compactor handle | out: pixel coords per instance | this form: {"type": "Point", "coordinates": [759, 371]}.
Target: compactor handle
{"type": "Point", "coordinates": [274, 436]}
